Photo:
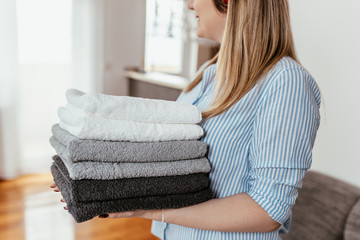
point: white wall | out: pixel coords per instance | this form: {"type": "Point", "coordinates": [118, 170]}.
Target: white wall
{"type": "Point", "coordinates": [327, 37]}
{"type": "Point", "coordinates": [124, 40]}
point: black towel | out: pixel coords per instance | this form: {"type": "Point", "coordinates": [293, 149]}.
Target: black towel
{"type": "Point", "coordinates": [96, 190]}
{"type": "Point", "coordinates": [84, 211]}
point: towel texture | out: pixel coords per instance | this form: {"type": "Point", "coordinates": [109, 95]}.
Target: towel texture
{"type": "Point", "coordinates": [106, 171]}
{"type": "Point", "coordinates": [76, 149]}
{"type": "Point", "coordinates": [97, 190]}
{"type": "Point", "coordinates": [83, 211]}
{"type": "Point", "coordinates": [86, 127]}
{"type": "Point", "coordinates": [132, 108]}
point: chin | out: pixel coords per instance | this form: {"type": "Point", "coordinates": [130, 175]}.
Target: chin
{"type": "Point", "coordinates": [200, 34]}
{"type": "Point", "coordinates": [206, 37]}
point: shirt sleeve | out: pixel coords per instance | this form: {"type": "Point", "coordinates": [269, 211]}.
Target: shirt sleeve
{"type": "Point", "coordinates": [281, 147]}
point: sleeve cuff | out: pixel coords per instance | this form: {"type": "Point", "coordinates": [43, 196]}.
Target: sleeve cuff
{"type": "Point", "coordinates": [277, 210]}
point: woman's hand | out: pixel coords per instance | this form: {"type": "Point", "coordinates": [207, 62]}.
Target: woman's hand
{"type": "Point", "coordinates": [148, 214]}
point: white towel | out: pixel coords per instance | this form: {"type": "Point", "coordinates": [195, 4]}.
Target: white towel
{"type": "Point", "coordinates": [85, 127]}
{"type": "Point", "coordinates": [131, 108]}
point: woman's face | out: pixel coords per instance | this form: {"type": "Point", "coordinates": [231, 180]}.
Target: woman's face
{"type": "Point", "coordinates": [211, 23]}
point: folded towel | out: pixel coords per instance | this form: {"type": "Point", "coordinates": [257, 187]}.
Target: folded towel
{"type": "Point", "coordinates": [85, 127]}
{"type": "Point", "coordinates": [76, 149]}
{"type": "Point", "coordinates": [97, 190]}
{"type": "Point", "coordinates": [132, 108]}
{"type": "Point", "coordinates": [107, 171]}
{"type": "Point", "coordinates": [83, 211]}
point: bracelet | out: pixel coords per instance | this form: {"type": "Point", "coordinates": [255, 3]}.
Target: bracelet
{"type": "Point", "coordinates": [163, 216]}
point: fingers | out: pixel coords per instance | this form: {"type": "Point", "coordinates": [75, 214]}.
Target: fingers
{"type": "Point", "coordinates": [65, 207]}
{"type": "Point", "coordinates": [56, 189]}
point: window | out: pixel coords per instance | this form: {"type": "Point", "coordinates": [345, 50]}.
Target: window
{"type": "Point", "coordinates": [171, 43]}
{"type": "Point", "coordinates": [164, 36]}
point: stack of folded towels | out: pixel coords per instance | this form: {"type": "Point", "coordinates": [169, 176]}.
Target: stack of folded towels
{"type": "Point", "coordinates": [119, 153]}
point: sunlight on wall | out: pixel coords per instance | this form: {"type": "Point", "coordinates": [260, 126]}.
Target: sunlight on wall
{"type": "Point", "coordinates": [44, 31]}
{"type": "Point", "coordinates": [46, 72]}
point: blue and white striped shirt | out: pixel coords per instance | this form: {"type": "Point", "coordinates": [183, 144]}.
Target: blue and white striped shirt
{"type": "Point", "coordinates": [261, 146]}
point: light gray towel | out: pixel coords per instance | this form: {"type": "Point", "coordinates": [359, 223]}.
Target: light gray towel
{"type": "Point", "coordinates": [105, 170]}
{"type": "Point", "coordinates": [76, 149]}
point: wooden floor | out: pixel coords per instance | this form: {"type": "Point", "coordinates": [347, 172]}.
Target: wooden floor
{"type": "Point", "coordinates": [29, 209]}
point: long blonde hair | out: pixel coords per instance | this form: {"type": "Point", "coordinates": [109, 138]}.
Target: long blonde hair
{"type": "Point", "coordinates": [256, 36]}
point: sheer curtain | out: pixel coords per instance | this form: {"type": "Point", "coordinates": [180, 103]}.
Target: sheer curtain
{"type": "Point", "coordinates": [9, 80]}
{"type": "Point", "coordinates": [32, 90]}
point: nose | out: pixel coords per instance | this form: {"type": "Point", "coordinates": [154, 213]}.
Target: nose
{"type": "Point", "coordinates": [190, 4]}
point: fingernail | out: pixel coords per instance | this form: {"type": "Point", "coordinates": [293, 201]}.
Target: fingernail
{"type": "Point", "coordinates": [61, 200]}
{"type": "Point", "coordinates": [65, 208]}
{"type": "Point", "coordinates": [103, 215]}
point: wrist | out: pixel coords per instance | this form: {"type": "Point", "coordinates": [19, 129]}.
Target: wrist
{"type": "Point", "coordinates": [152, 214]}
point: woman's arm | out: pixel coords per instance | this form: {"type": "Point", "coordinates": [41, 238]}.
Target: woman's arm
{"type": "Point", "coordinates": [237, 213]}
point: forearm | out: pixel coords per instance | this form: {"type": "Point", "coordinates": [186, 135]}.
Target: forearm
{"type": "Point", "coordinates": [237, 213]}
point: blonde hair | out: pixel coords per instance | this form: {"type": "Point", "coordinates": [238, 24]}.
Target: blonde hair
{"type": "Point", "coordinates": [256, 36]}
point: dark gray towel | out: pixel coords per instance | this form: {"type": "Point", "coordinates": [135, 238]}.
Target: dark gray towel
{"type": "Point", "coordinates": [97, 190]}
{"type": "Point", "coordinates": [75, 149]}
{"type": "Point", "coordinates": [83, 211]}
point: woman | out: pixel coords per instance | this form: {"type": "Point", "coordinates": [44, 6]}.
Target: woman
{"type": "Point", "coordinates": [261, 115]}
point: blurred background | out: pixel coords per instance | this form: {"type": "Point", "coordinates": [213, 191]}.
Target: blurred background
{"type": "Point", "coordinates": [149, 48]}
